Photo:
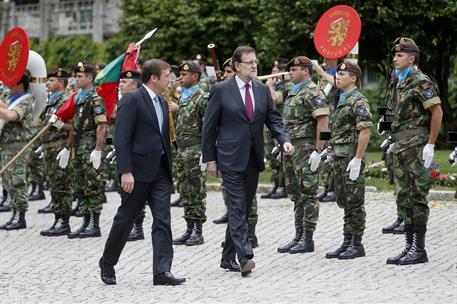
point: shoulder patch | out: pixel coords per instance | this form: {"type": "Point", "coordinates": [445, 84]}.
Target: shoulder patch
{"type": "Point", "coordinates": [319, 101]}
{"type": "Point", "coordinates": [362, 111]}
{"type": "Point", "coordinates": [98, 110]}
{"type": "Point", "coordinates": [429, 93]}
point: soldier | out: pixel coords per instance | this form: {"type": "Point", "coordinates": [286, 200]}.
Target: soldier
{"type": "Point", "coordinates": [17, 112]}
{"type": "Point", "coordinates": [351, 125]}
{"type": "Point", "coordinates": [328, 77]}
{"type": "Point", "coordinates": [305, 115]}
{"type": "Point", "coordinates": [278, 89]}
{"type": "Point", "coordinates": [53, 142]}
{"type": "Point", "coordinates": [89, 125]}
{"type": "Point", "coordinates": [416, 107]}
{"type": "Point", "coordinates": [206, 82]}
{"type": "Point", "coordinates": [36, 170]}
{"type": "Point", "coordinates": [191, 179]}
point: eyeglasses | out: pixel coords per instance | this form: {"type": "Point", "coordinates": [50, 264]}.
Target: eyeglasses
{"type": "Point", "coordinates": [251, 63]}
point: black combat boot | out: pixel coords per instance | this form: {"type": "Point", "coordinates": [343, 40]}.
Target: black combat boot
{"type": "Point", "coordinates": [85, 223]}
{"type": "Point", "coordinates": [251, 236]}
{"type": "Point", "coordinates": [273, 191]}
{"type": "Point", "coordinates": [323, 194]}
{"type": "Point", "coordinates": [46, 209]}
{"type": "Point", "coordinates": [400, 229]}
{"type": "Point", "coordinates": [183, 238]}
{"type": "Point", "coordinates": [417, 253]}
{"type": "Point", "coordinates": [93, 229]}
{"type": "Point", "coordinates": [50, 229]}
{"type": "Point", "coordinates": [298, 233]}
{"type": "Point", "coordinates": [390, 228]}
{"type": "Point", "coordinates": [306, 243]}
{"type": "Point", "coordinates": [222, 220]}
{"type": "Point", "coordinates": [137, 230]}
{"type": "Point", "coordinates": [408, 243]}
{"type": "Point", "coordinates": [10, 221]}
{"type": "Point", "coordinates": [77, 210]}
{"type": "Point", "coordinates": [355, 250]}
{"type": "Point", "coordinates": [18, 222]}
{"type": "Point", "coordinates": [32, 192]}
{"type": "Point", "coordinates": [335, 254]}
{"type": "Point", "coordinates": [176, 203]}
{"type": "Point", "coordinates": [4, 204]}
{"type": "Point", "coordinates": [330, 197]}
{"type": "Point", "coordinates": [62, 227]}
{"type": "Point", "coordinates": [280, 193]}
{"type": "Point", "coordinates": [38, 195]}
{"type": "Point", "coordinates": [197, 236]}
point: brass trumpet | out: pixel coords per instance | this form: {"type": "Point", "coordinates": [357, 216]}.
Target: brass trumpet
{"type": "Point", "coordinates": [264, 77]}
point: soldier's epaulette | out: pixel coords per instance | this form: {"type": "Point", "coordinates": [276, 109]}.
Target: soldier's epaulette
{"type": "Point", "coordinates": [360, 102]}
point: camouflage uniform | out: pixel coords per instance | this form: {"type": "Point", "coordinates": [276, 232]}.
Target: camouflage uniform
{"type": "Point", "coordinates": [13, 137]}
{"type": "Point", "coordinates": [86, 177]}
{"type": "Point", "coordinates": [351, 115]}
{"type": "Point", "coordinates": [302, 107]}
{"type": "Point", "coordinates": [191, 180]}
{"type": "Point", "coordinates": [411, 99]}
{"type": "Point", "coordinates": [35, 168]}
{"type": "Point", "coordinates": [59, 179]}
{"type": "Point", "coordinates": [206, 83]}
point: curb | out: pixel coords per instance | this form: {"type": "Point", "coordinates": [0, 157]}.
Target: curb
{"type": "Point", "coordinates": [434, 195]}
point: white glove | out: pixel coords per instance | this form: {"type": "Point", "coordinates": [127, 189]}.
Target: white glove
{"type": "Point", "coordinates": [41, 156]}
{"type": "Point", "coordinates": [202, 164]}
{"type": "Point", "coordinates": [452, 158]}
{"type": "Point", "coordinates": [354, 168]}
{"type": "Point", "coordinates": [314, 161]}
{"type": "Point", "coordinates": [96, 158]}
{"type": "Point", "coordinates": [39, 150]}
{"type": "Point", "coordinates": [56, 122]}
{"type": "Point", "coordinates": [427, 155]}
{"type": "Point", "coordinates": [391, 148]}
{"type": "Point", "coordinates": [63, 157]}
{"type": "Point", "coordinates": [384, 142]}
{"type": "Point", "coordinates": [111, 154]}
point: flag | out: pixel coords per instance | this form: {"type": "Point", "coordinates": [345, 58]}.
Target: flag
{"type": "Point", "coordinates": [67, 110]}
{"type": "Point", "coordinates": [107, 80]}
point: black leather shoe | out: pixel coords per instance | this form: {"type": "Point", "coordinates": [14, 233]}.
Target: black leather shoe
{"type": "Point", "coordinates": [166, 278]}
{"type": "Point", "coordinates": [230, 265]}
{"type": "Point", "coordinates": [176, 203]}
{"type": "Point", "coordinates": [38, 195]}
{"type": "Point", "coordinates": [269, 194]}
{"type": "Point", "coordinates": [330, 197]}
{"type": "Point", "coordinates": [5, 208]}
{"type": "Point", "coordinates": [18, 223]}
{"type": "Point", "coordinates": [390, 228]}
{"type": "Point", "coordinates": [246, 267]}
{"type": "Point", "coordinates": [107, 273]}
{"type": "Point", "coordinates": [400, 229]}
{"type": "Point", "coordinates": [286, 247]}
{"type": "Point", "coordinates": [222, 220]}
{"type": "Point", "coordinates": [355, 250]}
{"type": "Point", "coordinates": [280, 193]}
{"type": "Point", "coordinates": [335, 254]}
{"type": "Point", "coordinates": [47, 209]}
{"type": "Point", "coordinates": [136, 234]}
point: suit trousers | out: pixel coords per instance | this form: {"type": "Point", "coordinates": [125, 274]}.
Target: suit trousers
{"type": "Point", "coordinates": [157, 194]}
{"type": "Point", "coordinates": [241, 188]}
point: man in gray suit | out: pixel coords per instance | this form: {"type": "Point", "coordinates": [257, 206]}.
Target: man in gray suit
{"type": "Point", "coordinates": [233, 143]}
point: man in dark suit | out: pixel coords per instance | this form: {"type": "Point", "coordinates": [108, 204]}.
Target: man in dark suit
{"type": "Point", "coordinates": [233, 143]}
{"type": "Point", "coordinates": [143, 155]}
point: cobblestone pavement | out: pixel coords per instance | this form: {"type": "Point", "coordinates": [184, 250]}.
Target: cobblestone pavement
{"type": "Point", "coordinates": [36, 269]}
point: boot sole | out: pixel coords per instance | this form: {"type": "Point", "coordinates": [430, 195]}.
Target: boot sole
{"type": "Point", "coordinates": [89, 236]}
{"type": "Point", "coordinates": [412, 262]}
{"type": "Point", "coordinates": [135, 239]}
{"type": "Point", "coordinates": [300, 251]}
{"type": "Point", "coordinates": [247, 268]}
{"type": "Point", "coordinates": [194, 244]}
{"type": "Point", "coordinates": [350, 257]}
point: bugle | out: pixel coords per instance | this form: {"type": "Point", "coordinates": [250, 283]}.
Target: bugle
{"type": "Point", "coordinates": [264, 77]}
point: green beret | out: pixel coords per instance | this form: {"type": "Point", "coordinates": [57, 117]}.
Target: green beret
{"type": "Point", "coordinates": [348, 66]}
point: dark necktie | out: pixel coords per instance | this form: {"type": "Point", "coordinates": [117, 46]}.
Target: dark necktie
{"type": "Point", "coordinates": [248, 102]}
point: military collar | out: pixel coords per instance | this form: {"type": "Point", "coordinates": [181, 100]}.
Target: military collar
{"type": "Point", "coordinates": [297, 87]}
{"type": "Point", "coordinates": [345, 95]}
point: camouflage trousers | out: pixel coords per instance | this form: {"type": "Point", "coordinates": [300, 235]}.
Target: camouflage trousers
{"type": "Point", "coordinates": [277, 171]}
{"type": "Point", "coordinates": [350, 196]}
{"type": "Point", "coordinates": [252, 215]}
{"type": "Point", "coordinates": [302, 186]}
{"type": "Point", "coordinates": [15, 178]}
{"type": "Point", "coordinates": [327, 175]}
{"type": "Point", "coordinates": [413, 181]}
{"type": "Point", "coordinates": [192, 183]}
{"type": "Point", "coordinates": [59, 181]}
{"type": "Point", "coordinates": [87, 180]}
{"type": "Point", "coordinates": [35, 168]}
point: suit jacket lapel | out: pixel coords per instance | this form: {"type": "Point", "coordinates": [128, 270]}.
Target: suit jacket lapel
{"type": "Point", "coordinates": [237, 95]}
{"type": "Point", "coordinates": [150, 106]}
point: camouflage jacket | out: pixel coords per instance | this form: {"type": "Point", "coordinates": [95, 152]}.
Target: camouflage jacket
{"type": "Point", "coordinates": [301, 110]}
{"type": "Point", "coordinates": [282, 88]}
{"type": "Point", "coordinates": [409, 102]}
{"type": "Point", "coordinates": [96, 115]}
{"type": "Point", "coordinates": [332, 98]}
{"type": "Point", "coordinates": [53, 134]}
{"type": "Point", "coordinates": [189, 118]}
{"type": "Point", "coordinates": [21, 130]}
{"type": "Point", "coordinates": [351, 115]}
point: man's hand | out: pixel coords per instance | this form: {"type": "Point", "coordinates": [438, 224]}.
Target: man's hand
{"type": "Point", "coordinates": [270, 82]}
{"type": "Point", "coordinates": [288, 148]}
{"type": "Point", "coordinates": [427, 155]}
{"type": "Point", "coordinates": [96, 159]}
{"type": "Point", "coordinates": [127, 182]}
{"type": "Point", "coordinates": [63, 157]}
{"type": "Point", "coordinates": [56, 122]}
{"type": "Point", "coordinates": [314, 161]}
{"type": "Point", "coordinates": [211, 168]}
{"type": "Point", "coordinates": [354, 168]}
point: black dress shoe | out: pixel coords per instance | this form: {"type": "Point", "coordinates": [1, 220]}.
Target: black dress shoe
{"type": "Point", "coordinates": [280, 193]}
{"type": "Point", "coordinates": [47, 209]}
{"type": "Point", "coordinates": [107, 274]}
{"type": "Point", "coordinates": [246, 267]}
{"type": "Point", "coordinates": [230, 265]}
{"type": "Point", "coordinates": [222, 220]}
{"type": "Point", "coordinates": [329, 197]}
{"type": "Point", "coordinates": [166, 278]}
{"type": "Point", "coordinates": [176, 203]}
